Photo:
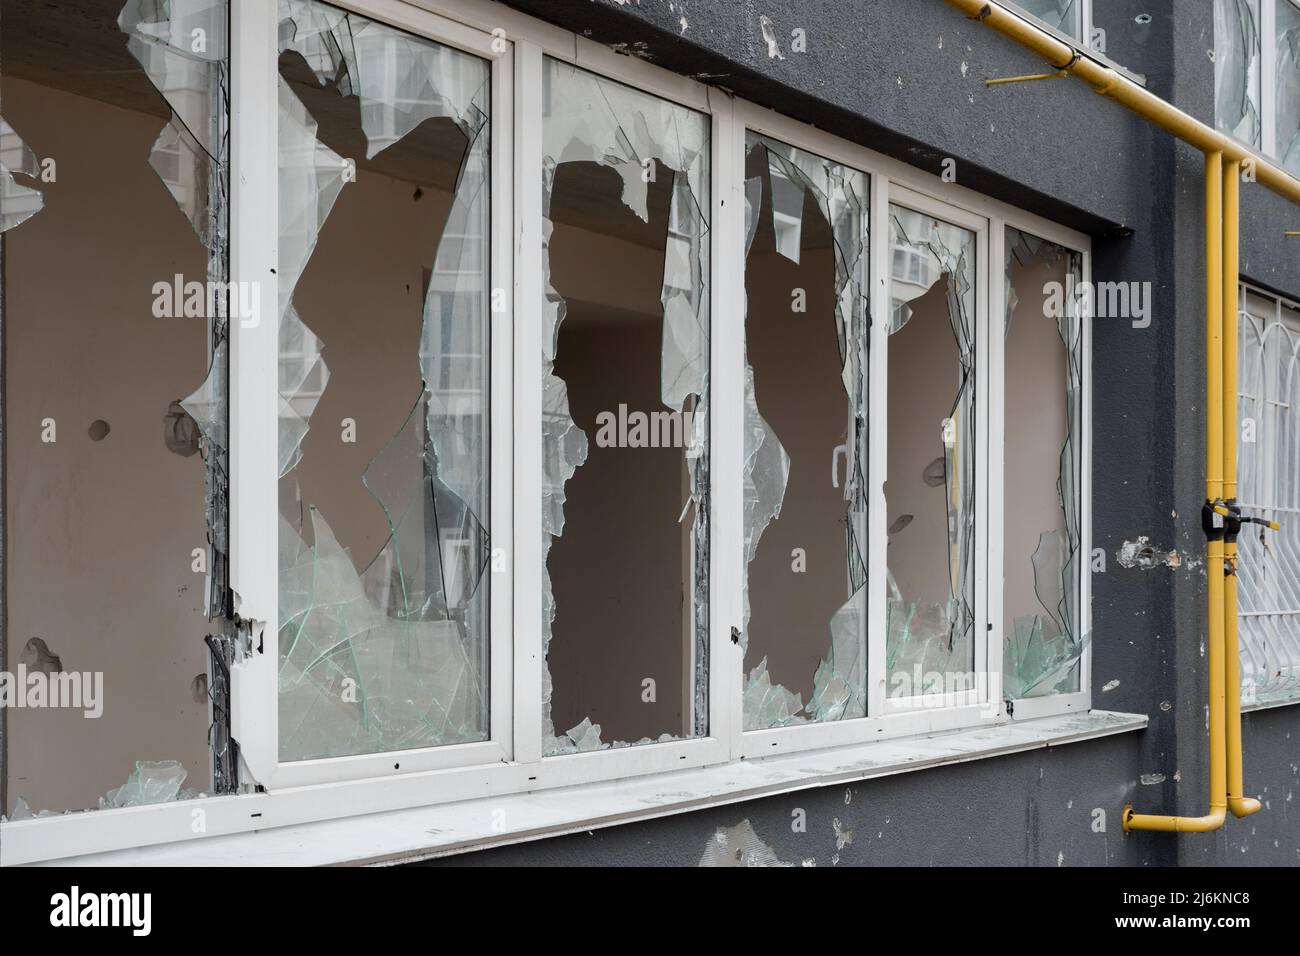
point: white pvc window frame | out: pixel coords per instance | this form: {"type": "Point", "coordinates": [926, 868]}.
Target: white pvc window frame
{"type": "Point", "coordinates": [254, 477]}
{"type": "Point", "coordinates": [286, 793]}
{"type": "Point", "coordinates": [1268, 78]}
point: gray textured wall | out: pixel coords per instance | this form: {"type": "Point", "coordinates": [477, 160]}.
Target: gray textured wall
{"type": "Point", "coordinates": [889, 74]}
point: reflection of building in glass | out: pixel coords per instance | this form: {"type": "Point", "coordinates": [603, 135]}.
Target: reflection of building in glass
{"type": "Point", "coordinates": [913, 272]}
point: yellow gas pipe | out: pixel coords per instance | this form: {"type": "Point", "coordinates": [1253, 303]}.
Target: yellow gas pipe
{"type": "Point", "coordinates": [1224, 159]}
{"type": "Point", "coordinates": [1238, 803]}
{"type": "Point", "coordinates": [1214, 445]}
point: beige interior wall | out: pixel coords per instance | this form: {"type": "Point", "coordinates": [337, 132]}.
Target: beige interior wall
{"type": "Point", "coordinates": [1037, 422]}
{"type": "Point", "coordinates": [99, 534]}
{"type": "Point", "coordinates": [799, 391]}
{"type": "Point", "coordinates": [362, 294]}
{"type": "Point", "coordinates": [924, 375]}
{"type": "Point", "coordinates": [619, 573]}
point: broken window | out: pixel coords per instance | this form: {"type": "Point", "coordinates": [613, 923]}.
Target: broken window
{"type": "Point", "coordinates": [1269, 487]}
{"type": "Point", "coordinates": [624, 415]}
{"type": "Point", "coordinates": [930, 484]}
{"type": "Point", "coordinates": [1064, 15]}
{"type": "Point", "coordinates": [805, 505]}
{"type": "Point", "coordinates": [1287, 84]}
{"type": "Point", "coordinates": [1237, 68]}
{"type": "Point", "coordinates": [113, 212]}
{"type": "Point", "coordinates": [383, 428]}
{"type": "Point", "coordinates": [1042, 560]}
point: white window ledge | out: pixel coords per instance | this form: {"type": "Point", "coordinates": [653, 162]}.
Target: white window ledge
{"type": "Point", "coordinates": [1269, 701]}
{"type": "Point", "coordinates": [408, 835]}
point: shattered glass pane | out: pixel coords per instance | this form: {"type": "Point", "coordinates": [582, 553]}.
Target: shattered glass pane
{"type": "Point", "coordinates": [1237, 68]}
{"type": "Point", "coordinates": [384, 545]}
{"type": "Point", "coordinates": [1065, 15]}
{"type": "Point", "coordinates": [805, 495]}
{"type": "Point", "coordinates": [929, 645]}
{"type": "Point", "coordinates": [182, 46]}
{"type": "Point", "coordinates": [1288, 85]}
{"type": "Point", "coordinates": [1269, 487]}
{"type": "Point", "coordinates": [625, 415]}
{"type": "Point", "coordinates": [131, 98]}
{"type": "Point", "coordinates": [1043, 639]}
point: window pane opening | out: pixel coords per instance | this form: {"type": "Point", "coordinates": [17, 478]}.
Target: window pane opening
{"type": "Point", "coordinates": [806, 331]}
{"type": "Point", "coordinates": [930, 485]}
{"type": "Point", "coordinates": [383, 382]}
{"type": "Point", "coordinates": [114, 147]}
{"type": "Point", "coordinates": [625, 420]}
{"type": "Point", "coordinates": [1042, 515]}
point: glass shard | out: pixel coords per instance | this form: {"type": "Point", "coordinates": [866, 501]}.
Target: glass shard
{"type": "Point", "coordinates": [931, 589]}
{"type": "Point", "coordinates": [807, 327]}
{"type": "Point", "coordinates": [183, 48]}
{"type": "Point", "coordinates": [18, 201]}
{"type": "Point", "coordinates": [384, 639]}
{"type": "Point", "coordinates": [1287, 40]}
{"type": "Point", "coordinates": [625, 179]}
{"type": "Point", "coordinates": [150, 782]}
{"type": "Point", "coordinates": [1237, 68]}
{"type": "Point", "coordinates": [1042, 533]}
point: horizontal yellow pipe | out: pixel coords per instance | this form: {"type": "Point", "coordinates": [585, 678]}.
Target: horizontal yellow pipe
{"type": "Point", "coordinates": [1163, 824]}
{"type": "Point", "coordinates": [1108, 82]}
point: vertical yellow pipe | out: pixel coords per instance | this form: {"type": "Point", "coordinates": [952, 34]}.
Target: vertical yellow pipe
{"type": "Point", "coordinates": [1214, 236]}
{"type": "Point", "coordinates": [1238, 803]}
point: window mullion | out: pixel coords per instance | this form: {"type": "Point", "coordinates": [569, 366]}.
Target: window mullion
{"type": "Point", "coordinates": [254, 378]}
{"type": "Point", "coordinates": [530, 286]}
{"type": "Point", "coordinates": [880, 261]}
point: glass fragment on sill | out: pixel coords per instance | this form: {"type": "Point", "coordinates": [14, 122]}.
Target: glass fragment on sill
{"type": "Point", "coordinates": [599, 121]}
{"type": "Point", "coordinates": [149, 783]}
{"type": "Point", "coordinates": [1237, 69]}
{"type": "Point", "coordinates": [18, 201]}
{"type": "Point", "coordinates": [1288, 86]}
{"type": "Point", "coordinates": [929, 645]}
{"type": "Point", "coordinates": [1042, 650]}
{"type": "Point", "coordinates": [393, 656]}
{"type": "Point", "coordinates": [840, 195]}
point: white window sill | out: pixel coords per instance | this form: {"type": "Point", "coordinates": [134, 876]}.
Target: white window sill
{"type": "Point", "coordinates": [408, 835]}
{"type": "Point", "coordinates": [1269, 701]}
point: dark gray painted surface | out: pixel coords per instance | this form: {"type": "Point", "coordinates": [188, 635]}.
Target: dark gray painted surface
{"type": "Point", "coordinates": [876, 73]}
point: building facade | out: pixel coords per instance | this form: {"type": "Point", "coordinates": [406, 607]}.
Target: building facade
{"type": "Point", "coordinates": [634, 433]}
